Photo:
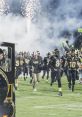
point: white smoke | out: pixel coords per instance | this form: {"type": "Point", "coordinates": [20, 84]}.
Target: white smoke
{"type": "Point", "coordinates": [44, 32]}
{"type": "Point", "coordinates": [2, 4]}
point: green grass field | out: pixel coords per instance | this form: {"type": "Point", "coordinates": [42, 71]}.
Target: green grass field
{"type": "Point", "coordinates": [45, 102]}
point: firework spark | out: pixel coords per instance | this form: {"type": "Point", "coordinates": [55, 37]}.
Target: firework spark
{"type": "Point", "coordinates": [2, 4]}
{"type": "Point", "coordinates": [33, 7]}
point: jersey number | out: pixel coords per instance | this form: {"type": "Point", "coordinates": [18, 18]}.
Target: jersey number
{"type": "Point", "coordinates": [72, 64]}
{"type": "Point", "coordinates": [57, 63]}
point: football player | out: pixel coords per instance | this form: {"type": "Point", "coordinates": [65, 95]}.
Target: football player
{"type": "Point", "coordinates": [35, 63]}
{"type": "Point", "coordinates": [56, 70]}
{"type": "Point", "coordinates": [72, 69]}
{"type": "Point", "coordinates": [46, 67]}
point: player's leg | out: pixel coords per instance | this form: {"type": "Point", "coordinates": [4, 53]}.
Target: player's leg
{"type": "Point", "coordinates": [73, 79]}
{"type": "Point", "coordinates": [59, 83]}
{"type": "Point", "coordinates": [44, 72]}
{"type": "Point", "coordinates": [24, 75]}
{"type": "Point", "coordinates": [38, 77]}
{"type": "Point", "coordinates": [52, 77]}
{"type": "Point", "coordinates": [48, 73]}
{"type": "Point", "coordinates": [34, 80]}
{"type": "Point", "coordinates": [31, 76]}
{"type": "Point", "coordinates": [61, 73]}
{"type": "Point", "coordinates": [67, 74]}
{"type": "Point", "coordinates": [69, 79]}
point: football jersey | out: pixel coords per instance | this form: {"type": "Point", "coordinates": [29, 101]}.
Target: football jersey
{"type": "Point", "coordinates": [72, 63]}
{"type": "Point", "coordinates": [36, 65]}
{"type": "Point", "coordinates": [55, 63]}
{"type": "Point", "coordinates": [46, 61]}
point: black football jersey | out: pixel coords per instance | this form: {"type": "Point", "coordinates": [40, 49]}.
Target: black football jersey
{"type": "Point", "coordinates": [72, 63]}
{"type": "Point", "coordinates": [55, 63]}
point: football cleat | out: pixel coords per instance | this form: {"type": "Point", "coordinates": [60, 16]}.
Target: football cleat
{"type": "Point", "coordinates": [35, 90]}
{"type": "Point", "coordinates": [59, 93]}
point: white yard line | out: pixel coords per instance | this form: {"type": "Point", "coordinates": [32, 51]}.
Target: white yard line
{"type": "Point", "coordinates": [61, 106]}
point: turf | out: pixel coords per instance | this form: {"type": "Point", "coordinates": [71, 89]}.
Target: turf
{"type": "Point", "coordinates": [45, 102]}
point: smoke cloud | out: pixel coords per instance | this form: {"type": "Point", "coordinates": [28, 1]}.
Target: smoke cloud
{"type": "Point", "coordinates": [46, 26]}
